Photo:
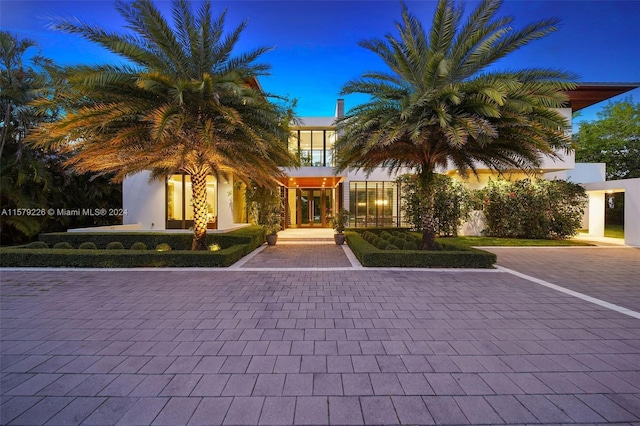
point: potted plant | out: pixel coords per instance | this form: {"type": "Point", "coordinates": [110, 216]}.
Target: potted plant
{"type": "Point", "coordinates": [340, 220]}
{"type": "Point", "coordinates": [272, 225]}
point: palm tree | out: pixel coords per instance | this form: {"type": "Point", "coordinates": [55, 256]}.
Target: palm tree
{"type": "Point", "coordinates": [439, 106]}
{"type": "Point", "coordinates": [182, 102]}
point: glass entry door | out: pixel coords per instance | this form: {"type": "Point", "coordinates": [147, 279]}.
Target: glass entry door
{"type": "Point", "coordinates": [315, 207]}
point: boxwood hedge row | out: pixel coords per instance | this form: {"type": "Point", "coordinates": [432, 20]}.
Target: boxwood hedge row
{"type": "Point", "coordinates": [252, 235]}
{"type": "Point", "coordinates": [234, 244]}
{"type": "Point", "coordinates": [451, 256]}
{"type": "Point", "coordinates": [75, 258]}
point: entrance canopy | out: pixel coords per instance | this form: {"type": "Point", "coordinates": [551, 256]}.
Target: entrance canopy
{"type": "Point", "coordinates": [311, 182]}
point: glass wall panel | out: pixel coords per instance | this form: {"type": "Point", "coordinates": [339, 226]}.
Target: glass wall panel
{"type": "Point", "coordinates": [330, 138]}
{"type": "Point", "coordinates": [180, 202]}
{"type": "Point", "coordinates": [374, 203]}
{"type": "Point", "coordinates": [306, 158]}
{"type": "Point", "coordinates": [317, 148]}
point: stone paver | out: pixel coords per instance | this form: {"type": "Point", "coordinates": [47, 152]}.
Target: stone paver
{"type": "Point", "coordinates": [323, 347]}
{"type": "Point", "coordinates": [602, 272]}
{"type": "Point", "coordinates": [300, 256]}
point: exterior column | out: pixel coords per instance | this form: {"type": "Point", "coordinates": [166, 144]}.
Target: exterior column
{"type": "Point", "coordinates": [596, 213]}
{"type": "Point", "coordinates": [631, 211]}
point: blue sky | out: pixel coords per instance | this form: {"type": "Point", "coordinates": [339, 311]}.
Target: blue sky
{"type": "Point", "coordinates": [315, 41]}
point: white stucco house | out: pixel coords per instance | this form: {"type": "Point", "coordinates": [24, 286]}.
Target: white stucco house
{"type": "Point", "coordinates": [314, 191]}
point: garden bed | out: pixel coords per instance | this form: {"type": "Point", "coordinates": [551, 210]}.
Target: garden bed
{"type": "Point", "coordinates": [230, 247]}
{"type": "Point", "coordinates": [375, 253]}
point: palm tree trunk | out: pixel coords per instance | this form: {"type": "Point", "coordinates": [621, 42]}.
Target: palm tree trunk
{"type": "Point", "coordinates": [425, 180]}
{"type": "Point", "coordinates": [200, 219]}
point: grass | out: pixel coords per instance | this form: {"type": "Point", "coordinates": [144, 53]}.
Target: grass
{"type": "Point", "coordinates": [507, 242]}
{"type": "Point", "coordinates": [614, 231]}
{"type": "Point", "coordinates": [611, 231]}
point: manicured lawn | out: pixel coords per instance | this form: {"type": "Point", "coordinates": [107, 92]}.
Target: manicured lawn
{"type": "Point", "coordinates": [611, 231]}
{"type": "Point", "coordinates": [507, 242]}
{"type": "Point", "coordinates": [614, 231]}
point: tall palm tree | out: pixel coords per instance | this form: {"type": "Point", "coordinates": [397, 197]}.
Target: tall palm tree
{"type": "Point", "coordinates": [183, 102]}
{"type": "Point", "coordinates": [438, 105]}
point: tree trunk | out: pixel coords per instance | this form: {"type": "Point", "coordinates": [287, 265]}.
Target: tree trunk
{"type": "Point", "coordinates": [200, 212]}
{"type": "Point", "coordinates": [427, 196]}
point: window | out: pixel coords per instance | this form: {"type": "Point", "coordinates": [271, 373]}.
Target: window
{"type": "Point", "coordinates": [180, 205]}
{"type": "Point", "coordinates": [315, 147]}
{"type": "Point", "coordinates": [375, 203]}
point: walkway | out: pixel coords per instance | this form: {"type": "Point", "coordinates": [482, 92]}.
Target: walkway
{"type": "Point", "coordinates": [338, 346]}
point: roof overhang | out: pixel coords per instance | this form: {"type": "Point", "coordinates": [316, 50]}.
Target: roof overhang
{"type": "Point", "coordinates": [587, 94]}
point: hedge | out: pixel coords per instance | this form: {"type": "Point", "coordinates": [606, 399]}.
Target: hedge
{"type": "Point", "coordinates": [251, 235]}
{"type": "Point", "coordinates": [234, 244]}
{"type": "Point", "coordinates": [75, 258]}
{"type": "Point", "coordinates": [451, 257]}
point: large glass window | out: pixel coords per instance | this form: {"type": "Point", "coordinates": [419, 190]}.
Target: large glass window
{"type": "Point", "coordinates": [306, 159]}
{"type": "Point", "coordinates": [375, 203]}
{"type": "Point", "coordinates": [180, 202]}
{"type": "Point", "coordinates": [315, 147]}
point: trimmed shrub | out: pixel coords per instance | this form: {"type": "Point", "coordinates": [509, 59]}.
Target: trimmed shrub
{"type": "Point", "coordinates": [391, 247]}
{"type": "Point", "coordinates": [115, 245]}
{"type": "Point", "coordinates": [139, 246]}
{"type": "Point", "coordinates": [37, 245]}
{"type": "Point", "coordinates": [451, 257]}
{"type": "Point", "coordinates": [21, 257]}
{"type": "Point", "coordinates": [62, 246]}
{"type": "Point", "coordinates": [409, 245]}
{"type": "Point", "coordinates": [163, 247]}
{"type": "Point", "coordinates": [251, 236]}
{"type": "Point", "coordinates": [87, 245]}
{"type": "Point", "coordinates": [385, 235]}
{"type": "Point", "coordinates": [234, 245]}
{"type": "Point", "coordinates": [382, 244]}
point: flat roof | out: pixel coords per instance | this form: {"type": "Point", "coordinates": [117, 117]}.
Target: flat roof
{"type": "Point", "coordinates": [587, 94]}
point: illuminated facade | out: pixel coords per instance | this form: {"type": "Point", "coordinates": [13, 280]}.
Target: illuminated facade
{"type": "Point", "coordinates": [312, 192]}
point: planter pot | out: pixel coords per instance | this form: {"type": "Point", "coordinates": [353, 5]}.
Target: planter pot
{"type": "Point", "coordinates": [339, 239]}
{"type": "Point", "coordinates": [271, 239]}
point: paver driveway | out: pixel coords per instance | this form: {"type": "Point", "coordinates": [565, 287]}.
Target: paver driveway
{"type": "Point", "coordinates": [310, 347]}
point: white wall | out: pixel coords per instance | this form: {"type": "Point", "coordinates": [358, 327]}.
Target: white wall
{"type": "Point", "coordinates": [144, 201]}
{"type": "Point", "coordinates": [597, 193]}
{"type": "Point", "coordinates": [582, 173]}
{"type": "Point", "coordinates": [225, 203]}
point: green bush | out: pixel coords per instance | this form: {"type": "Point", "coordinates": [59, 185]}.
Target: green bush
{"type": "Point", "coordinates": [234, 245]}
{"type": "Point", "coordinates": [452, 203]}
{"type": "Point", "coordinates": [251, 236]}
{"type": "Point", "coordinates": [525, 209]}
{"type": "Point", "coordinates": [452, 256]}
{"type": "Point", "coordinates": [87, 245]}
{"type": "Point", "coordinates": [385, 235]}
{"type": "Point", "coordinates": [391, 247]}
{"type": "Point", "coordinates": [63, 245]}
{"type": "Point", "coordinates": [21, 257]}
{"type": "Point", "coordinates": [382, 244]}
{"type": "Point", "coordinates": [163, 247]}
{"type": "Point", "coordinates": [115, 245]}
{"type": "Point", "coordinates": [37, 245]}
{"type": "Point", "coordinates": [139, 246]}
{"type": "Point", "coordinates": [409, 245]}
